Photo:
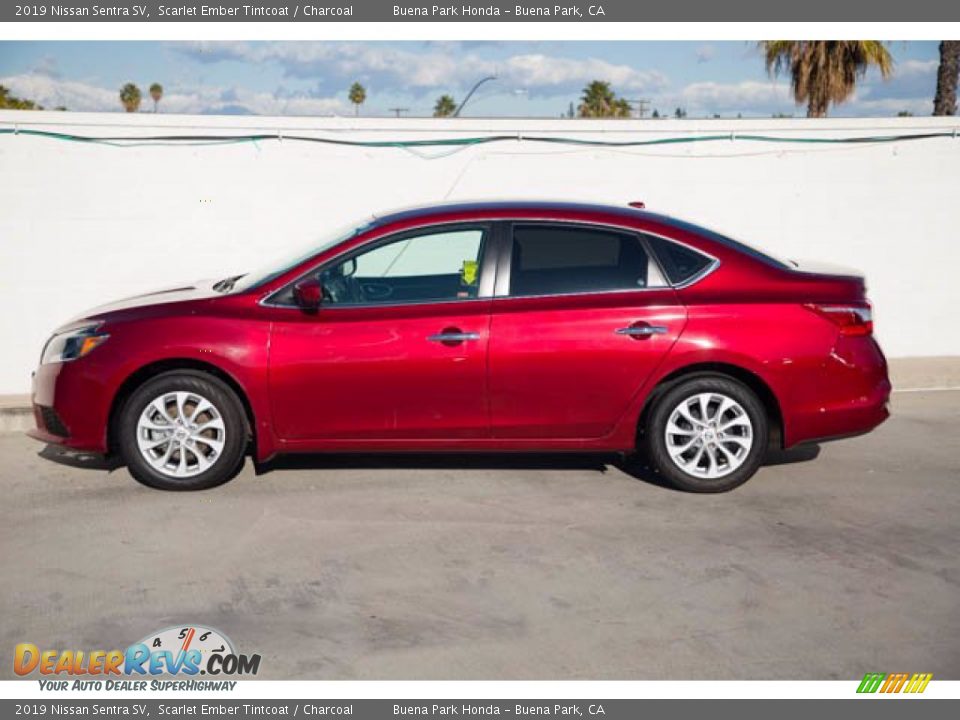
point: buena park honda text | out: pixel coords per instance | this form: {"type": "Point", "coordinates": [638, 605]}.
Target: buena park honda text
{"type": "Point", "coordinates": [499, 326]}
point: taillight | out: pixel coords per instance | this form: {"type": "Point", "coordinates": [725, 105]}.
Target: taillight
{"type": "Point", "coordinates": [852, 320]}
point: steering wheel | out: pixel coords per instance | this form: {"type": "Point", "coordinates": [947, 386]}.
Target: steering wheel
{"type": "Point", "coordinates": [341, 289]}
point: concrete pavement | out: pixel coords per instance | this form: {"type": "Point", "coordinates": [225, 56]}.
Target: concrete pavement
{"type": "Point", "coordinates": [545, 567]}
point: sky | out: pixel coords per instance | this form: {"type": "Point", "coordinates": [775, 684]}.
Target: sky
{"type": "Point", "coordinates": [534, 79]}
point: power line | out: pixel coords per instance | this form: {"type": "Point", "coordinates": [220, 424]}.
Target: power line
{"type": "Point", "coordinates": [398, 110]}
{"type": "Point", "coordinates": [132, 140]}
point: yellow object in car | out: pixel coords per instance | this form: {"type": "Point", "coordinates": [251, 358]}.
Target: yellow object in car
{"type": "Point", "coordinates": [468, 272]}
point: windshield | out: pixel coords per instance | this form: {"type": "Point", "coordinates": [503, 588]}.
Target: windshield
{"type": "Point", "coordinates": [279, 265]}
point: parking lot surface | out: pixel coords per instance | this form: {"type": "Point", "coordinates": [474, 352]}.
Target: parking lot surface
{"type": "Point", "coordinates": [473, 567]}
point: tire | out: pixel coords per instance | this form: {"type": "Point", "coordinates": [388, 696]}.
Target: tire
{"type": "Point", "coordinates": [205, 450]}
{"type": "Point", "coordinates": [706, 457]}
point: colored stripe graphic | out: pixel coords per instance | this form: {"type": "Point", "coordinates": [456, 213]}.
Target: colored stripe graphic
{"type": "Point", "coordinates": [894, 682]}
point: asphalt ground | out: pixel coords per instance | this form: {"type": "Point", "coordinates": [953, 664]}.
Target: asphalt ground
{"type": "Point", "coordinates": [830, 563]}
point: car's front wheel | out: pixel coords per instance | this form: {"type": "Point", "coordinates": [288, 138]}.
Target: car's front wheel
{"type": "Point", "coordinates": [706, 434]}
{"type": "Point", "coordinates": [182, 430]}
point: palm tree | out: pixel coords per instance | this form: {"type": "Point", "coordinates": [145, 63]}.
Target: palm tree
{"type": "Point", "coordinates": [825, 71]}
{"type": "Point", "coordinates": [130, 97]}
{"type": "Point", "coordinates": [945, 102]}
{"type": "Point", "coordinates": [358, 95]}
{"type": "Point", "coordinates": [156, 92]}
{"type": "Point", "coordinates": [598, 100]}
{"type": "Point", "coordinates": [445, 106]}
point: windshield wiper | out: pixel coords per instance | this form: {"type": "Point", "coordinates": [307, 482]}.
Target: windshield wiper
{"type": "Point", "coordinates": [226, 285]}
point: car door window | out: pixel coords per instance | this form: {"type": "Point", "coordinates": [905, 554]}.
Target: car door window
{"type": "Point", "coordinates": [434, 266]}
{"type": "Point", "coordinates": [555, 259]}
{"type": "Point", "coordinates": [680, 263]}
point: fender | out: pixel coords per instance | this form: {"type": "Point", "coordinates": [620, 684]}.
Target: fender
{"type": "Point", "coordinates": [234, 350]}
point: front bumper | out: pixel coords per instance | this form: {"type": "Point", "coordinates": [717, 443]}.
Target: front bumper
{"type": "Point", "coordinates": [71, 406]}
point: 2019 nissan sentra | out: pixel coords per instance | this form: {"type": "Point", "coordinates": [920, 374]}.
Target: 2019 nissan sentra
{"type": "Point", "coordinates": [499, 326]}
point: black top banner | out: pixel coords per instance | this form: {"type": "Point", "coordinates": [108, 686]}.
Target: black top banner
{"type": "Point", "coordinates": [479, 11]}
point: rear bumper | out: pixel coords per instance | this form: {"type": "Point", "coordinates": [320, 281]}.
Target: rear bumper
{"type": "Point", "coordinates": [851, 396]}
{"type": "Point", "coordinates": [70, 406]}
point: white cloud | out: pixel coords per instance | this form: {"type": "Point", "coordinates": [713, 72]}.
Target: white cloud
{"type": "Point", "coordinates": [705, 53]}
{"type": "Point", "coordinates": [749, 97]}
{"type": "Point", "coordinates": [866, 107]}
{"type": "Point", "coordinates": [53, 92]}
{"type": "Point", "coordinates": [82, 96]}
{"type": "Point", "coordinates": [547, 72]}
{"type": "Point", "coordinates": [440, 67]}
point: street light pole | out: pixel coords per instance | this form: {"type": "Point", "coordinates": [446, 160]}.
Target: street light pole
{"type": "Point", "coordinates": [456, 113]}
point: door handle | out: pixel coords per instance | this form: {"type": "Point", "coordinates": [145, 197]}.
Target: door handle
{"type": "Point", "coordinates": [449, 336]}
{"type": "Point", "coordinates": [639, 331]}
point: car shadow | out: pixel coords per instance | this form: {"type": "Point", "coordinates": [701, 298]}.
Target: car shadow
{"type": "Point", "coordinates": [632, 465]}
{"type": "Point", "coordinates": [79, 459]}
{"type": "Point", "coordinates": [438, 461]}
{"type": "Point", "coordinates": [803, 453]}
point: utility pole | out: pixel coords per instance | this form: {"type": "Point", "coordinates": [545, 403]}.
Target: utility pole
{"type": "Point", "coordinates": [398, 110]}
{"type": "Point", "coordinates": [642, 106]}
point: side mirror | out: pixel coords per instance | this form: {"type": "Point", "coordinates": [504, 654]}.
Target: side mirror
{"type": "Point", "coordinates": [308, 294]}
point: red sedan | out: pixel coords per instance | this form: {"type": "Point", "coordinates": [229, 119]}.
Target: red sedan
{"type": "Point", "coordinates": [471, 327]}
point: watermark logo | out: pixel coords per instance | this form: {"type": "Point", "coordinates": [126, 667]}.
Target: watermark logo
{"type": "Point", "coordinates": [179, 650]}
{"type": "Point", "coordinates": [894, 683]}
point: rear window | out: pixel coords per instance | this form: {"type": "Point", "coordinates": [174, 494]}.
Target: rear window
{"type": "Point", "coordinates": [553, 260]}
{"type": "Point", "coordinates": [680, 263]}
{"type": "Point", "coordinates": [729, 242]}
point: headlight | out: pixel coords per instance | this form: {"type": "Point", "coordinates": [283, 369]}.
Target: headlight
{"type": "Point", "coordinates": [72, 344]}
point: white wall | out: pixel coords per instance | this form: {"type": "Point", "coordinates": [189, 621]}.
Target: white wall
{"type": "Point", "coordinates": [82, 224]}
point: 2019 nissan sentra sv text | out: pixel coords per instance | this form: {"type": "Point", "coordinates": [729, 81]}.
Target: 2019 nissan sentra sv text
{"type": "Point", "coordinates": [472, 327]}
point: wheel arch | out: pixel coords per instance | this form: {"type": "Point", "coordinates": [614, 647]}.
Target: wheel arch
{"type": "Point", "coordinates": [753, 381]}
{"type": "Point", "coordinates": [152, 369]}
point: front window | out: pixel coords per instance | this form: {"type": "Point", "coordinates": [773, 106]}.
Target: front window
{"type": "Point", "coordinates": [433, 265]}
{"type": "Point", "coordinates": [557, 259]}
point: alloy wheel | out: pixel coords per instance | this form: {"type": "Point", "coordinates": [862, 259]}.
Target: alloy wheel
{"type": "Point", "coordinates": [181, 434]}
{"type": "Point", "coordinates": [709, 435]}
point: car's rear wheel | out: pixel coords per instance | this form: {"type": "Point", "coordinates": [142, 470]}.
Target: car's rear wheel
{"type": "Point", "coordinates": [182, 430]}
{"type": "Point", "coordinates": [706, 434]}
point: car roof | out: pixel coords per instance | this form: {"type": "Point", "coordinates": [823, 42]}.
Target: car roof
{"type": "Point", "coordinates": [569, 208]}
{"type": "Point", "coordinates": [481, 207]}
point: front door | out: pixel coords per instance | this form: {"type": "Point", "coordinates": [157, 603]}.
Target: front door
{"type": "Point", "coordinates": [585, 318]}
{"type": "Point", "coordinates": [397, 350]}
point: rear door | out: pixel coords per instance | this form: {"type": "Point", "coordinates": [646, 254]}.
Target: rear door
{"type": "Point", "coordinates": [580, 318]}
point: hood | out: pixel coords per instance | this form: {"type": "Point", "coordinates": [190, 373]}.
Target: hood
{"type": "Point", "coordinates": [199, 290]}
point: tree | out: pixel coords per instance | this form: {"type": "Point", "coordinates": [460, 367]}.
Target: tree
{"type": "Point", "coordinates": [656, 114]}
{"type": "Point", "coordinates": [130, 97]}
{"type": "Point", "coordinates": [445, 106]}
{"type": "Point", "coordinates": [679, 113]}
{"type": "Point", "coordinates": [12, 102]}
{"type": "Point", "coordinates": [825, 72]}
{"type": "Point", "coordinates": [599, 101]}
{"type": "Point", "coordinates": [156, 92]}
{"type": "Point", "coordinates": [945, 101]}
{"type": "Point", "coordinates": [358, 96]}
